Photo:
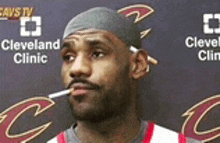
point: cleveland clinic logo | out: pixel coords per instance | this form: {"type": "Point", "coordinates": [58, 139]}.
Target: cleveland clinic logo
{"type": "Point", "coordinates": [36, 26]}
{"type": "Point", "coordinates": [207, 29]}
{"type": "Point", "coordinates": [208, 46]}
{"type": "Point", "coordinates": [33, 51]}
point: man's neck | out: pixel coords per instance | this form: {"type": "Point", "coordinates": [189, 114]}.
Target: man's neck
{"type": "Point", "coordinates": [115, 130]}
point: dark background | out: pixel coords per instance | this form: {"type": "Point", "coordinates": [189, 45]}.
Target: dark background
{"type": "Point", "coordinates": [175, 85]}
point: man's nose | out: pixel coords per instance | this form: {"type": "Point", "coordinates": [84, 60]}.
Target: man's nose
{"type": "Point", "coordinates": [81, 67]}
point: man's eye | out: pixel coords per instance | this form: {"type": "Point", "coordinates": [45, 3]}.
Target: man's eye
{"type": "Point", "coordinates": [68, 58]}
{"type": "Point", "coordinates": [98, 54]}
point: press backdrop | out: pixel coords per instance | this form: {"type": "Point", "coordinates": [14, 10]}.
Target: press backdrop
{"type": "Point", "coordinates": [181, 83]}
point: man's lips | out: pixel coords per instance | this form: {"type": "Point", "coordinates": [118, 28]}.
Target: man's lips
{"type": "Point", "coordinates": [78, 92]}
{"type": "Point", "coordinates": [80, 89]}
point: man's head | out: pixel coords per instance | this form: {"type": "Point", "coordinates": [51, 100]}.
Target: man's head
{"type": "Point", "coordinates": [105, 19]}
{"type": "Point", "coordinates": [99, 65]}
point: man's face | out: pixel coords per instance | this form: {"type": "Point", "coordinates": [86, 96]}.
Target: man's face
{"type": "Point", "coordinates": [96, 64]}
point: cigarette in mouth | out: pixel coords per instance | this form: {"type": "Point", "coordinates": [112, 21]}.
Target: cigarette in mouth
{"type": "Point", "coordinates": [60, 93]}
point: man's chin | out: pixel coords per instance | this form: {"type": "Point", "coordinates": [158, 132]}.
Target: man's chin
{"type": "Point", "coordinates": [91, 115]}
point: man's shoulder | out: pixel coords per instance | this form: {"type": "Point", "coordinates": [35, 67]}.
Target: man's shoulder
{"type": "Point", "coordinates": [159, 133]}
{"type": "Point", "coordinates": [191, 140]}
{"type": "Point", "coordinates": [61, 137]}
{"type": "Point", "coordinates": [67, 136]}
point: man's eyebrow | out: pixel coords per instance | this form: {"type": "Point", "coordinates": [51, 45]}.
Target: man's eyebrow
{"type": "Point", "coordinates": [66, 44]}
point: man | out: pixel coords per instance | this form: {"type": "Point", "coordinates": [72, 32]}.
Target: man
{"type": "Point", "coordinates": [102, 63]}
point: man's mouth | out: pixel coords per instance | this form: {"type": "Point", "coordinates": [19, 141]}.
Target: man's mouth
{"type": "Point", "coordinates": [80, 89]}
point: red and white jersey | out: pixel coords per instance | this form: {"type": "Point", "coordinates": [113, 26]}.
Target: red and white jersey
{"type": "Point", "coordinates": [60, 138]}
{"type": "Point", "coordinates": [158, 134]}
{"type": "Point", "coordinates": [153, 134]}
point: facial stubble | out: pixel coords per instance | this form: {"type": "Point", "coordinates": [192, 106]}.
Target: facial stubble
{"type": "Point", "coordinates": [107, 103]}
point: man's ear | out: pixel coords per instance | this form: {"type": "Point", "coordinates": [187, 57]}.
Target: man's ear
{"type": "Point", "coordinates": [139, 64]}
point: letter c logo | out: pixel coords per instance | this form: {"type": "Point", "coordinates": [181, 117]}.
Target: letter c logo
{"type": "Point", "coordinates": [10, 115]}
{"type": "Point", "coordinates": [194, 117]}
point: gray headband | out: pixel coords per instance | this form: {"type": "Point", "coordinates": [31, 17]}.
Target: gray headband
{"type": "Point", "coordinates": [105, 19]}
